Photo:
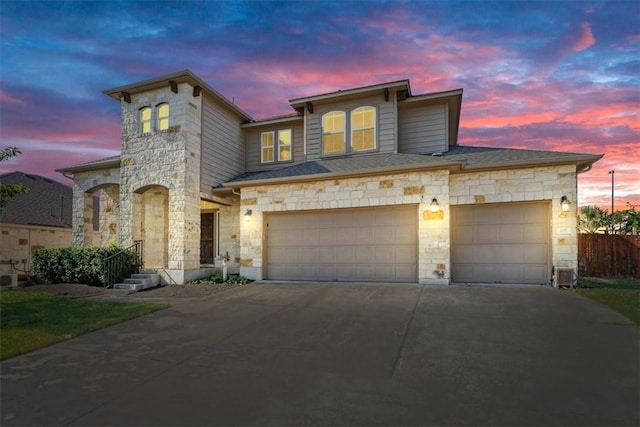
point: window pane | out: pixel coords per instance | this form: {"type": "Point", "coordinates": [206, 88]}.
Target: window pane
{"type": "Point", "coordinates": [267, 139]}
{"type": "Point", "coordinates": [333, 143]}
{"type": "Point", "coordinates": [163, 117]}
{"type": "Point", "coordinates": [145, 120]}
{"type": "Point", "coordinates": [284, 144]}
{"type": "Point", "coordinates": [267, 155]}
{"type": "Point", "coordinates": [163, 124]}
{"type": "Point", "coordinates": [267, 147]}
{"type": "Point", "coordinates": [333, 138]}
{"type": "Point", "coordinates": [163, 110]}
{"type": "Point", "coordinates": [363, 140]}
{"type": "Point", "coordinates": [363, 129]}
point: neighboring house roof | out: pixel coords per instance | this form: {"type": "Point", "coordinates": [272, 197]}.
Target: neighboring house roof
{"type": "Point", "coordinates": [178, 77]}
{"type": "Point", "coordinates": [48, 202]}
{"type": "Point", "coordinates": [458, 159]}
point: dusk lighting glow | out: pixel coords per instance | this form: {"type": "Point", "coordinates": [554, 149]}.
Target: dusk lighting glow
{"type": "Point", "coordinates": [558, 75]}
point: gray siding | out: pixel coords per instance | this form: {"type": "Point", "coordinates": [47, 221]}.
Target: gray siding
{"type": "Point", "coordinates": [386, 111]}
{"type": "Point", "coordinates": [423, 129]}
{"type": "Point", "coordinates": [223, 155]}
{"type": "Point", "coordinates": [252, 137]}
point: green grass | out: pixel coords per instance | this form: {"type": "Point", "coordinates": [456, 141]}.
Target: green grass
{"type": "Point", "coordinates": [621, 295]}
{"type": "Point", "coordinates": [32, 320]}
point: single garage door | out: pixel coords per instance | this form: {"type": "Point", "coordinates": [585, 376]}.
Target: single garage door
{"type": "Point", "coordinates": [368, 244]}
{"type": "Point", "coordinates": [501, 243]}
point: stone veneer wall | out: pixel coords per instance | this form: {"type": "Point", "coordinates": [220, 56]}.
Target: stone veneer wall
{"type": "Point", "coordinates": [531, 184]}
{"type": "Point", "coordinates": [434, 266]}
{"type": "Point", "coordinates": [17, 242]}
{"type": "Point", "coordinates": [109, 211]}
{"type": "Point", "coordinates": [230, 218]}
{"type": "Point", "coordinates": [386, 190]}
{"type": "Point", "coordinates": [169, 159]}
{"type": "Point", "coordinates": [84, 185]}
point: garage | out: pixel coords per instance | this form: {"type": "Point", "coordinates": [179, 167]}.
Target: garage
{"type": "Point", "coordinates": [364, 244]}
{"type": "Point", "coordinates": [501, 243]}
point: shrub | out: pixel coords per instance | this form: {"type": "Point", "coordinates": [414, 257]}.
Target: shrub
{"type": "Point", "coordinates": [235, 279]}
{"type": "Point", "coordinates": [81, 264]}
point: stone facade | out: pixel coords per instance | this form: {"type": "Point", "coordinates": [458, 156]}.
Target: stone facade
{"type": "Point", "coordinates": [159, 182]}
{"type": "Point", "coordinates": [525, 185]}
{"type": "Point", "coordinates": [399, 189]}
{"type": "Point", "coordinates": [532, 184]}
{"type": "Point", "coordinates": [166, 178]}
{"type": "Point", "coordinates": [18, 241]}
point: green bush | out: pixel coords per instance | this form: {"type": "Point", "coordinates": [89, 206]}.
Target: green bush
{"type": "Point", "coordinates": [235, 279]}
{"type": "Point", "coordinates": [81, 264]}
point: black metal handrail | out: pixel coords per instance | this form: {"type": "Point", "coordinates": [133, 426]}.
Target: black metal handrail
{"type": "Point", "coordinates": [118, 265]}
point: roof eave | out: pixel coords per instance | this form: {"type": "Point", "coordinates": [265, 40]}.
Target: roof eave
{"type": "Point", "coordinates": [580, 161]}
{"type": "Point", "coordinates": [93, 166]}
{"type": "Point", "coordinates": [271, 121]}
{"type": "Point", "coordinates": [454, 165]}
{"type": "Point", "coordinates": [300, 102]}
{"type": "Point", "coordinates": [179, 77]}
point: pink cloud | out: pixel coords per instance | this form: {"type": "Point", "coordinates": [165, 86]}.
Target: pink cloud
{"type": "Point", "coordinates": [6, 98]}
{"type": "Point", "coordinates": [586, 39]}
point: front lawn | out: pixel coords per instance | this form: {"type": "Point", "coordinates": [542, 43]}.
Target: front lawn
{"type": "Point", "coordinates": [621, 295]}
{"type": "Point", "coordinates": [31, 320]}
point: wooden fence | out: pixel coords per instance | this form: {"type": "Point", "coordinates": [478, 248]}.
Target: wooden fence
{"type": "Point", "coordinates": [608, 255]}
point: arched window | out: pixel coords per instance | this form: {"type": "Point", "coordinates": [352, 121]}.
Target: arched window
{"type": "Point", "coordinates": [145, 120]}
{"type": "Point", "coordinates": [163, 116]}
{"type": "Point", "coordinates": [363, 129]}
{"type": "Point", "coordinates": [333, 132]}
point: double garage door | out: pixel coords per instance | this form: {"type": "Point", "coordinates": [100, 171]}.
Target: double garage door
{"type": "Point", "coordinates": [367, 244]}
{"type": "Point", "coordinates": [498, 243]}
{"type": "Point", "coordinates": [501, 243]}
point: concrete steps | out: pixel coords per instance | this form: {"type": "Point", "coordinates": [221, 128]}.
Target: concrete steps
{"type": "Point", "coordinates": [139, 281]}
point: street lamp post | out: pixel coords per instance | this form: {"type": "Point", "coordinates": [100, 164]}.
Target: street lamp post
{"type": "Point", "coordinates": [612, 173]}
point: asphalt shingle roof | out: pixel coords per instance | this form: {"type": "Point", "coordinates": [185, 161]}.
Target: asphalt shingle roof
{"type": "Point", "coordinates": [48, 202]}
{"type": "Point", "coordinates": [463, 157]}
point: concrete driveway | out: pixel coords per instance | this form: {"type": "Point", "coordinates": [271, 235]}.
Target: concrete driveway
{"type": "Point", "coordinates": [344, 355]}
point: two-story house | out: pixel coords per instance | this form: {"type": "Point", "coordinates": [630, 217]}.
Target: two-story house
{"type": "Point", "coordinates": [364, 184]}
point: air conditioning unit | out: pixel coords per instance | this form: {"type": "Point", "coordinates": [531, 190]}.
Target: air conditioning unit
{"type": "Point", "coordinates": [9, 280]}
{"type": "Point", "coordinates": [563, 277]}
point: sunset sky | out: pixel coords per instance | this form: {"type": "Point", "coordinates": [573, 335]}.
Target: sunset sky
{"type": "Point", "coordinates": [562, 76]}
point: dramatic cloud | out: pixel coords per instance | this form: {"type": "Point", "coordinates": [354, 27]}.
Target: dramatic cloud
{"type": "Point", "coordinates": [561, 76]}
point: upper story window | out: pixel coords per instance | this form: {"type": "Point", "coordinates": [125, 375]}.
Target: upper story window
{"type": "Point", "coordinates": [266, 145]}
{"type": "Point", "coordinates": [363, 129]}
{"type": "Point", "coordinates": [163, 117]}
{"type": "Point", "coordinates": [333, 132]}
{"type": "Point", "coordinates": [284, 145]}
{"type": "Point", "coordinates": [145, 120]}
{"type": "Point", "coordinates": [269, 152]}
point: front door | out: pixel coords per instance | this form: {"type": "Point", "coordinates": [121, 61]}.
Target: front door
{"type": "Point", "coordinates": [207, 241]}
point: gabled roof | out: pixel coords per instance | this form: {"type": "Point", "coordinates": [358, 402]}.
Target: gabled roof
{"type": "Point", "coordinates": [274, 120]}
{"type": "Point", "coordinates": [178, 77]}
{"type": "Point", "coordinates": [399, 84]}
{"type": "Point", "coordinates": [457, 160]}
{"type": "Point", "coordinates": [107, 162]}
{"type": "Point", "coordinates": [48, 202]}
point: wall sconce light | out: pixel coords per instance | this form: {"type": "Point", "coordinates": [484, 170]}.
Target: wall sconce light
{"type": "Point", "coordinates": [434, 205]}
{"type": "Point", "coordinates": [247, 215]}
{"type": "Point", "coordinates": [565, 204]}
